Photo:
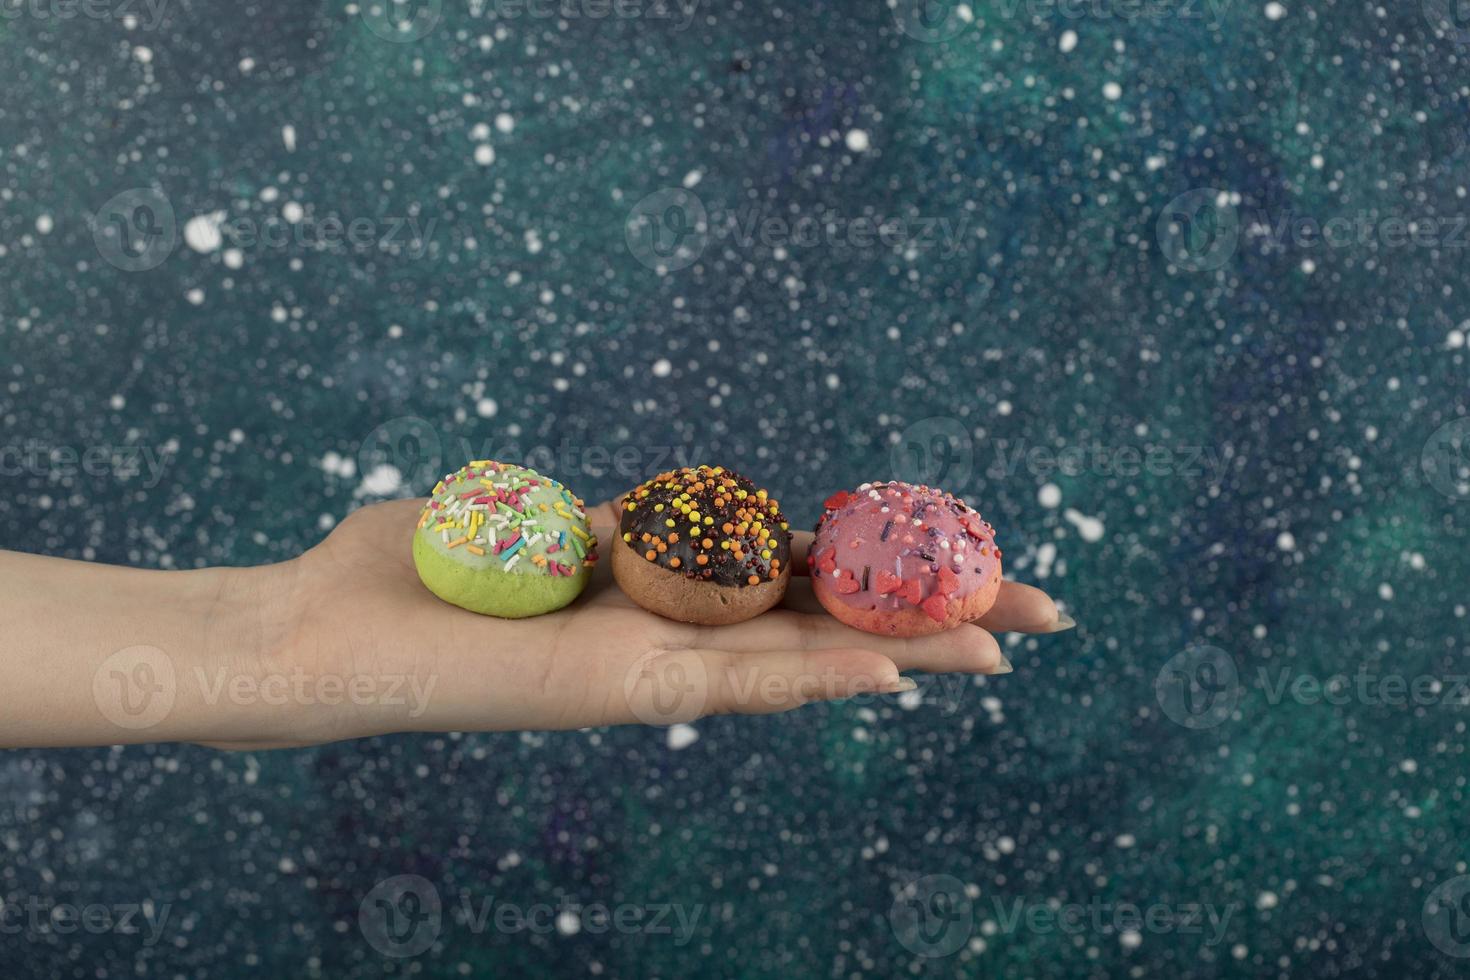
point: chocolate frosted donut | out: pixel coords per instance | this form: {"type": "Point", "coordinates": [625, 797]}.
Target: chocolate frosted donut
{"type": "Point", "coordinates": [902, 560]}
{"type": "Point", "coordinates": [702, 545]}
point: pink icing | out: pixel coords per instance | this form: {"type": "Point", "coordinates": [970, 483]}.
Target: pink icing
{"type": "Point", "coordinates": [910, 543]}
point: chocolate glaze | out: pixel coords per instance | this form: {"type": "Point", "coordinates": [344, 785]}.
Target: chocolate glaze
{"type": "Point", "coordinates": [740, 533]}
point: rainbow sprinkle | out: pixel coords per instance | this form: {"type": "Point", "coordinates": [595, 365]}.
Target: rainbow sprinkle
{"type": "Point", "coordinates": [500, 512]}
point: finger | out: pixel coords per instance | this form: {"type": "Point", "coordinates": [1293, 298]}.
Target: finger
{"type": "Point", "coordinates": [1025, 609]}
{"type": "Point", "coordinates": [967, 649]}
{"type": "Point", "coordinates": [801, 544]}
{"type": "Point", "coordinates": [679, 685]}
{"type": "Point", "coordinates": [607, 514]}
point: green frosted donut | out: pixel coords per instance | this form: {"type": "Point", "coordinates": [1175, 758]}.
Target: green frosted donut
{"type": "Point", "coordinates": [504, 541]}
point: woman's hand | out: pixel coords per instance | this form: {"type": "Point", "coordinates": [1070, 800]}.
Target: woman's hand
{"type": "Point", "coordinates": [345, 642]}
{"type": "Point", "coordinates": [356, 605]}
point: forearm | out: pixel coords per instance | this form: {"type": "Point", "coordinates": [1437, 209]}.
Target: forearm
{"type": "Point", "coordinates": [98, 655]}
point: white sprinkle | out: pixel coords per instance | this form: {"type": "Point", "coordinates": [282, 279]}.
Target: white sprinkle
{"type": "Point", "coordinates": [144, 55]}
{"type": "Point", "coordinates": [293, 212]}
{"type": "Point", "coordinates": [487, 408]}
{"type": "Point", "coordinates": [1049, 496]}
{"type": "Point", "coordinates": [692, 179]}
{"type": "Point", "coordinates": [484, 154]}
{"type": "Point", "coordinates": [682, 736]}
{"type": "Point", "coordinates": [1286, 541]}
{"type": "Point", "coordinates": [202, 232]}
{"type": "Point", "coordinates": [1455, 340]}
{"type": "Point", "coordinates": [1068, 41]}
{"type": "Point", "coordinates": [44, 224]}
{"type": "Point", "coordinates": [662, 368]}
{"type": "Point", "coordinates": [1089, 528]}
{"type": "Point", "coordinates": [857, 140]}
{"type": "Point", "coordinates": [1275, 11]}
{"type": "Point", "coordinates": [504, 122]}
{"type": "Point", "coordinates": [196, 296]}
{"type": "Point", "coordinates": [568, 923]}
{"type": "Point", "coordinates": [288, 137]}
{"type": "Point", "coordinates": [1112, 91]}
{"type": "Point", "coordinates": [1266, 900]}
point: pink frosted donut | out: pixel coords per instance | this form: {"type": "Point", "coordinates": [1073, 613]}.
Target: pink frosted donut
{"type": "Point", "coordinates": [902, 560]}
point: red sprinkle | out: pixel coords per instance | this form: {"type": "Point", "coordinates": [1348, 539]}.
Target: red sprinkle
{"type": "Point", "coordinates": [847, 585]}
{"type": "Point", "coordinates": [912, 592]}
{"type": "Point", "coordinates": [837, 500]}
{"type": "Point", "coordinates": [887, 582]}
{"type": "Point", "coordinates": [948, 581]}
{"type": "Point", "coordinates": [934, 607]}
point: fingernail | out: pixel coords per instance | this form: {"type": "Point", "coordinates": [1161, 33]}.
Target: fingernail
{"type": "Point", "coordinates": [1064, 622]}
{"type": "Point", "coordinates": [1005, 666]}
{"type": "Point", "coordinates": [899, 686]}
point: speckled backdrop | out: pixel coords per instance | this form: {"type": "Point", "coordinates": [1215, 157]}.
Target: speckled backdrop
{"type": "Point", "coordinates": [1173, 290]}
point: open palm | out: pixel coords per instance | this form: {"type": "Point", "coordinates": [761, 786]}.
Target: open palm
{"type": "Point", "coordinates": [353, 607]}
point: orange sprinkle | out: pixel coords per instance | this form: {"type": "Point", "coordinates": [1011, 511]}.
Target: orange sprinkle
{"type": "Point", "coordinates": [674, 562]}
{"type": "Point", "coordinates": [754, 580]}
{"type": "Point", "coordinates": [702, 559]}
{"type": "Point", "coordinates": [650, 554]}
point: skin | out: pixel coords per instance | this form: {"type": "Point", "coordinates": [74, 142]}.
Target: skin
{"type": "Point", "coordinates": [345, 642]}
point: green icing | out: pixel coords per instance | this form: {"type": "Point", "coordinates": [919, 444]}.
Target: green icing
{"type": "Point", "coordinates": [489, 590]}
{"type": "Point", "coordinates": [536, 523]}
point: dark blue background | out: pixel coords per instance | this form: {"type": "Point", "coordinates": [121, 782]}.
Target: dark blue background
{"type": "Point", "coordinates": [274, 381]}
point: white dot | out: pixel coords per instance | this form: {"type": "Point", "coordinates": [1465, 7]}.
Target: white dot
{"type": "Point", "coordinates": [1068, 41]}
{"type": "Point", "coordinates": [1456, 338]}
{"type": "Point", "coordinates": [662, 368]}
{"type": "Point", "coordinates": [44, 224]}
{"type": "Point", "coordinates": [1049, 496]}
{"type": "Point", "coordinates": [1385, 591]}
{"type": "Point", "coordinates": [1112, 91]}
{"type": "Point", "coordinates": [484, 154]}
{"type": "Point", "coordinates": [1266, 900]}
{"type": "Point", "coordinates": [504, 122]}
{"type": "Point", "coordinates": [293, 212]}
{"type": "Point", "coordinates": [682, 736]}
{"type": "Point", "coordinates": [833, 381]}
{"type": "Point", "coordinates": [487, 408]}
{"type": "Point", "coordinates": [196, 296]}
{"type": "Point", "coordinates": [857, 140]}
{"type": "Point", "coordinates": [145, 55]}
{"type": "Point", "coordinates": [1286, 541]}
{"type": "Point", "coordinates": [202, 232]}
{"type": "Point", "coordinates": [118, 402]}
{"type": "Point", "coordinates": [568, 923]}
{"type": "Point", "coordinates": [1275, 11]}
